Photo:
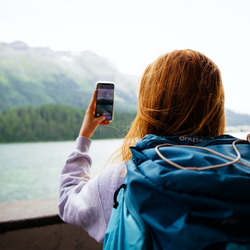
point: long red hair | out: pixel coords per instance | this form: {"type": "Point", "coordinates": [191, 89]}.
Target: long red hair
{"type": "Point", "coordinates": [181, 93]}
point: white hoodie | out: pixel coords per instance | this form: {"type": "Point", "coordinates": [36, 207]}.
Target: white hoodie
{"type": "Point", "coordinates": [87, 202]}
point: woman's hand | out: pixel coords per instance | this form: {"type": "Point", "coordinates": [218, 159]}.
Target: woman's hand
{"type": "Point", "coordinates": [90, 122]}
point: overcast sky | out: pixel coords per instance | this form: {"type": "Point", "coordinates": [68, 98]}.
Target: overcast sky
{"type": "Point", "coordinates": [133, 33]}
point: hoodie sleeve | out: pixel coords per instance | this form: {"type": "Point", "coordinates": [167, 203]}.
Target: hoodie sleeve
{"type": "Point", "coordinates": [79, 200]}
{"type": "Point", "coordinates": [83, 201]}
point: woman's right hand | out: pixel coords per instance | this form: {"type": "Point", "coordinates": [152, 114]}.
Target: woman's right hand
{"type": "Point", "coordinates": [90, 122]}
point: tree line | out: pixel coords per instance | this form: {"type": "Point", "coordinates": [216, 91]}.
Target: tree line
{"type": "Point", "coordinates": [55, 123]}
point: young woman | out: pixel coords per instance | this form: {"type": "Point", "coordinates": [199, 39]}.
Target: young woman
{"type": "Point", "coordinates": [181, 93]}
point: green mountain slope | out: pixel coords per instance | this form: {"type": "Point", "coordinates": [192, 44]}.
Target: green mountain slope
{"type": "Point", "coordinates": [38, 76]}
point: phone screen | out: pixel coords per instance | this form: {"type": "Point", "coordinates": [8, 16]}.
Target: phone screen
{"type": "Point", "coordinates": [105, 100]}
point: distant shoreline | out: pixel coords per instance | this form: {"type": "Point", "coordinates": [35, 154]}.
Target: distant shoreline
{"type": "Point", "coordinates": [232, 130]}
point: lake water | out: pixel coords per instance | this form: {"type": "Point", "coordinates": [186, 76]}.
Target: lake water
{"type": "Point", "coordinates": [32, 170]}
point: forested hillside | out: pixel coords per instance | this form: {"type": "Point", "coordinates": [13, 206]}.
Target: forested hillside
{"type": "Point", "coordinates": [55, 123]}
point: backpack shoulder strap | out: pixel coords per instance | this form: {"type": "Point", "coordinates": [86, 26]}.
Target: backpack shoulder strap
{"type": "Point", "coordinates": [116, 203]}
{"type": "Point", "coordinates": [126, 230]}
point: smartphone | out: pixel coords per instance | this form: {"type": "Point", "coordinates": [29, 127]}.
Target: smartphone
{"type": "Point", "coordinates": [105, 100]}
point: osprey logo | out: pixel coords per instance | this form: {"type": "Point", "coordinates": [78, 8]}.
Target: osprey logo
{"type": "Point", "coordinates": [191, 139]}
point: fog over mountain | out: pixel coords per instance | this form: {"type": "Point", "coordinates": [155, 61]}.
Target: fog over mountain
{"type": "Point", "coordinates": [37, 76]}
{"type": "Point", "coordinates": [34, 76]}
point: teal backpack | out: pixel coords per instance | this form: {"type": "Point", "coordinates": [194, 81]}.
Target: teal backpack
{"type": "Point", "coordinates": [183, 193]}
